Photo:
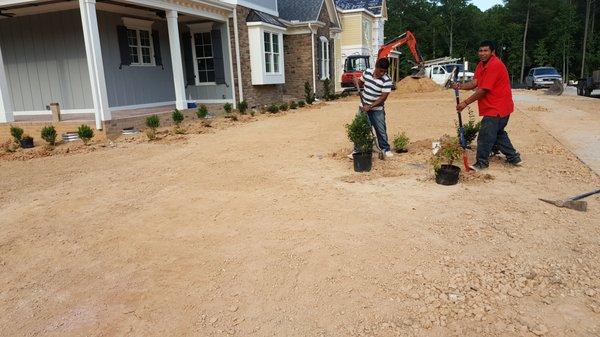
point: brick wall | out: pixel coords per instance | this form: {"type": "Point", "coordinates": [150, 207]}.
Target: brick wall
{"type": "Point", "coordinates": [322, 31]}
{"type": "Point", "coordinates": [255, 95]}
{"type": "Point", "coordinates": [298, 64]}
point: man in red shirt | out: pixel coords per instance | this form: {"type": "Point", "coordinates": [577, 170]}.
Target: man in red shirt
{"type": "Point", "coordinates": [494, 96]}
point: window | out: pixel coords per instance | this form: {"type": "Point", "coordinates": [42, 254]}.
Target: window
{"type": "Point", "coordinates": [272, 51]}
{"type": "Point", "coordinates": [324, 58]}
{"type": "Point", "coordinates": [140, 47]}
{"type": "Point", "coordinates": [203, 54]}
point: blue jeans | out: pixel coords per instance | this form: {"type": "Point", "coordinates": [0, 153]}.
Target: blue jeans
{"type": "Point", "coordinates": [377, 120]}
{"type": "Point", "coordinates": [492, 134]}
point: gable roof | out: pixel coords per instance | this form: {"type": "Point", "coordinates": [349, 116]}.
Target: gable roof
{"type": "Point", "coordinates": [258, 16]}
{"type": "Point", "coordinates": [305, 10]}
{"type": "Point", "coordinates": [373, 6]}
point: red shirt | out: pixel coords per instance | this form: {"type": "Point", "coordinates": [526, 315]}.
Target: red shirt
{"type": "Point", "coordinates": [493, 77]}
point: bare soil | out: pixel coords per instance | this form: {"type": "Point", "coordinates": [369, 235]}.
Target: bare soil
{"type": "Point", "coordinates": [263, 229]}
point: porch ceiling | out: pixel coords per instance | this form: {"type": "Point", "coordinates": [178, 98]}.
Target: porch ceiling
{"type": "Point", "coordinates": [190, 11]}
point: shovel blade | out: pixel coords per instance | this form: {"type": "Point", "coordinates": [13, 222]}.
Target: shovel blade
{"type": "Point", "coordinates": [578, 205]}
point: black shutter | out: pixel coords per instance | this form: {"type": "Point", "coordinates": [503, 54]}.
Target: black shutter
{"type": "Point", "coordinates": [319, 58]}
{"type": "Point", "coordinates": [217, 47]}
{"type": "Point", "coordinates": [188, 58]}
{"type": "Point", "coordinates": [331, 60]}
{"type": "Point", "coordinates": [156, 43]}
{"type": "Point", "coordinates": [123, 46]}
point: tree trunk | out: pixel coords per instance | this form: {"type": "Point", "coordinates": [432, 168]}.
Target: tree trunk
{"type": "Point", "coordinates": [585, 34]}
{"type": "Point", "coordinates": [525, 41]}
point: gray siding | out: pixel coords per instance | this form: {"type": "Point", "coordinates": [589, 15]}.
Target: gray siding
{"type": "Point", "coordinates": [133, 85]}
{"type": "Point", "coordinates": [45, 61]}
{"type": "Point", "coordinates": [220, 91]}
{"type": "Point", "coordinates": [270, 4]}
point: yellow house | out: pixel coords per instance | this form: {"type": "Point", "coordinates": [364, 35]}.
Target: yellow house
{"type": "Point", "coordinates": [362, 33]}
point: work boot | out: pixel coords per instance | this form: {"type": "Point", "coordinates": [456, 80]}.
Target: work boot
{"type": "Point", "coordinates": [388, 154]}
{"type": "Point", "coordinates": [478, 167]}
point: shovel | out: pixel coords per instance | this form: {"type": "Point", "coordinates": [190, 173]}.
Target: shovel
{"type": "Point", "coordinates": [461, 129]}
{"type": "Point", "coordinates": [573, 202]}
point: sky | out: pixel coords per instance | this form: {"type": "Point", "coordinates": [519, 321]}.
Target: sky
{"type": "Point", "coordinates": [485, 4]}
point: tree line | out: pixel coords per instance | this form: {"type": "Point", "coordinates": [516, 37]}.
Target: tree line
{"type": "Point", "coordinates": [529, 33]}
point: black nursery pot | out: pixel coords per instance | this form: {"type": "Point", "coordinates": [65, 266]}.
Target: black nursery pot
{"type": "Point", "coordinates": [447, 175]}
{"type": "Point", "coordinates": [26, 143]}
{"type": "Point", "coordinates": [363, 161]}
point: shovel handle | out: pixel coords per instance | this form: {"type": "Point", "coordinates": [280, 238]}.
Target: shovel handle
{"type": "Point", "coordinates": [584, 195]}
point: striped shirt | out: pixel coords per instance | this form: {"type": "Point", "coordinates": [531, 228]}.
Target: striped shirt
{"type": "Point", "coordinates": [374, 87]}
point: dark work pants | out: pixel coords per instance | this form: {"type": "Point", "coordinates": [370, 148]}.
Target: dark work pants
{"type": "Point", "coordinates": [492, 133]}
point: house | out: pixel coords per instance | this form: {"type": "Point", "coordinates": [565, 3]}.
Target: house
{"type": "Point", "coordinates": [111, 58]}
{"type": "Point", "coordinates": [103, 58]}
{"type": "Point", "coordinates": [284, 46]}
{"type": "Point", "coordinates": [363, 24]}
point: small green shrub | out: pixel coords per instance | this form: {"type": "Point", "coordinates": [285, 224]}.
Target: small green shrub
{"type": "Point", "coordinates": [471, 128]}
{"type": "Point", "coordinates": [283, 107]}
{"type": "Point", "coordinates": [327, 92]}
{"type": "Point", "coordinates": [273, 109]}
{"type": "Point", "coordinates": [202, 111]}
{"type": "Point", "coordinates": [177, 117]}
{"type": "Point", "coordinates": [400, 142]}
{"type": "Point", "coordinates": [293, 105]}
{"type": "Point", "coordinates": [227, 107]}
{"type": "Point", "coordinates": [49, 134]}
{"type": "Point", "coordinates": [242, 107]}
{"type": "Point", "coordinates": [152, 122]}
{"type": "Point", "coordinates": [85, 133]}
{"type": "Point", "coordinates": [345, 94]}
{"type": "Point", "coordinates": [16, 132]}
{"type": "Point", "coordinates": [308, 93]}
{"type": "Point", "coordinates": [301, 103]}
{"type": "Point", "coordinates": [359, 133]}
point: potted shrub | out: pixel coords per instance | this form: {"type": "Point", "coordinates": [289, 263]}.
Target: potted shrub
{"type": "Point", "coordinates": [242, 107]}
{"type": "Point", "coordinates": [152, 122]}
{"type": "Point", "coordinates": [26, 141]}
{"type": "Point", "coordinates": [359, 133]}
{"type": "Point", "coordinates": [308, 93]}
{"type": "Point", "coordinates": [400, 143]}
{"type": "Point", "coordinates": [301, 103]}
{"type": "Point", "coordinates": [49, 134]}
{"type": "Point", "coordinates": [85, 133]}
{"type": "Point", "coordinates": [445, 172]}
{"type": "Point", "coordinates": [202, 111]}
{"type": "Point", "coordinates": [17, 133]}
{"type": "Point", "coordinates": [227, 107]}
{"type": "Point", "coordinates": [273, 109]}
{"type": "Point", "coordinates": [293, 105]}
{"type": "Point", "coordinates": [283, 107]}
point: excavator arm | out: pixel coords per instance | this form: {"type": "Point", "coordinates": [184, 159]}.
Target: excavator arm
{"type": "Point", "coordinates": [405, 39]}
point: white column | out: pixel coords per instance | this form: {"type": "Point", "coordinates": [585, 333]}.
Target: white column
{"type": "Point", "coordinates": [231, 67]}
{"type": "Point", "coordinates": [237, 54]}
{"type": "Point", "coordinates": [6, 112]}
{"type": "Point", "coordinates": [178, 75]}
{"type": "Point", "coordinates": [91, 36]}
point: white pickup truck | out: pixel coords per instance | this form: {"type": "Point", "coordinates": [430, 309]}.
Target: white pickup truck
{"type": "Point", "coordinates": [441, 74]}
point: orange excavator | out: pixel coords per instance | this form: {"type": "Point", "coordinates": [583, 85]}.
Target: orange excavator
{"type": "Point", "coordinates": [356, 64]}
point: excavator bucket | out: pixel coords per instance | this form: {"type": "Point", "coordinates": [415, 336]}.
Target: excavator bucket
{"type": "Point", "coordinates": [419, 73]}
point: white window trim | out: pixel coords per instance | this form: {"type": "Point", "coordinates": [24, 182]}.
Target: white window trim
{"type": "Point", "coordinates": [272, 54]}
{"type": "Point", "coordinates": [201, 28]}
{"type": "Point", "coordinates": [324, 61]}
{"type": "Point", "coordinates": [138, 25]}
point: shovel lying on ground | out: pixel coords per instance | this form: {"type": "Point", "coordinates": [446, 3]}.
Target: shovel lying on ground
{"type": "Point", "coordinates": [574, 202]}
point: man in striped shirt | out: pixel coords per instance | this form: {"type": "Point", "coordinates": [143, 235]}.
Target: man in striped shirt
{"type": "Point", "coordinates": [377, 85]}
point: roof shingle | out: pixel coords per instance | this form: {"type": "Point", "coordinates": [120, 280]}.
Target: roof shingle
{"type": "Point", "coordinates": [373, 6]}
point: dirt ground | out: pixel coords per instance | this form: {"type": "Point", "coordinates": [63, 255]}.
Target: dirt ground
{"type": "Point", "coordinates": [263, 229]}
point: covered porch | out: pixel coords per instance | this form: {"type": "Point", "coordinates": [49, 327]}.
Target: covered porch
{"type": "Point", "coordinates": [110, 60]}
